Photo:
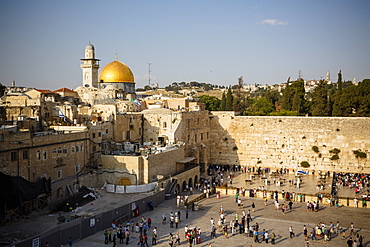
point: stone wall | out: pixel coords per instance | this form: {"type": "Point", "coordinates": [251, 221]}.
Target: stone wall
{"type": "Point", "coordinates": [146, 168]}
{"type": "Point", "coordinates": [284, 142]}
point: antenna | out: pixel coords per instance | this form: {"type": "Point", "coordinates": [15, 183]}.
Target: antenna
{"type": "Point", "coordinates": [149, 70]}
{"type": "Point", "coordinates": [299, 74]}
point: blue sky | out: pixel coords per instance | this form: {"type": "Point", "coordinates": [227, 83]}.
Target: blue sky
{"type": "Point", "coordinates": [207, 41]}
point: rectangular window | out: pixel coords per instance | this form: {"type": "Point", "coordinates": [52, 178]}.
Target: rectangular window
{"type": "Point", "coordinates": [106, 131]}
{"type": "Point", "coordinates": [93, 135]}
{"type": "Point", "coordinates": [25, 154]}
{"type": "Point", "coordinates": [73, 149]}
{"type": "Point", "coordinates": [59, 173]}
{"type": "Point", "coordinates": [1, 137]}
{"type": "Point", "coordinates": [201, 136]}
{"type": "Point", "coordinates": [13, 156]}
{"type": "Point", "coordinates": [99, 134]}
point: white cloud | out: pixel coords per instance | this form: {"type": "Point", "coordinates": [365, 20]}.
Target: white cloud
{"type": "Point", "coordinates": [274, 22]}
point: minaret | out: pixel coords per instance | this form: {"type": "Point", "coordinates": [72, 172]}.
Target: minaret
{"type": "Point", "coordinates": [90, 66]}
{"type": "Point", "coordinates": [327, 76]}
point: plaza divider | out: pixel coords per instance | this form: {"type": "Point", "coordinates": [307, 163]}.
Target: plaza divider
{"type": "Point", "coordinates": [80, 228]}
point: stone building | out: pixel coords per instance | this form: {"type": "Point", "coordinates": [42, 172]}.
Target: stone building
{"type": "Point", "coordinates": [56, 155]}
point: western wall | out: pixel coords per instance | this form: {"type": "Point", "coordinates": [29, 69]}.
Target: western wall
{"type": "Point", "coordinates": [284, 142]}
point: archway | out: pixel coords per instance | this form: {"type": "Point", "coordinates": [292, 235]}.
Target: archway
{"type": "Point", "coordinates": [60, 193]}
{"type": "Point", "coordinates": [190, 183]}
{"type": "Point", "coordinates": [183, 186]}
{"type": "Point", "coordinates": [125, 181]}
{"type": "Point", "coordinates": [195, 180]}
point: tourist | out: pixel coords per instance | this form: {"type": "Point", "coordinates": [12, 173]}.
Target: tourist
{"type": "Point", "coordinates": [273, 236]}
{"type": "Point", "coordinates": [154, 236]}
{"type": "Point", "coordinates": [177, 239]}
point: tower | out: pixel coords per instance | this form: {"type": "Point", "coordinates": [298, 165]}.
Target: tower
{"type": "Point", "coordinates": [89, 66]}
{"type": "Point", "coordinates": [327, 76]}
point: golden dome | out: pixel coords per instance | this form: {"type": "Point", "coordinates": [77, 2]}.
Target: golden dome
{"type": "Point", "coordinates": [116, 71]}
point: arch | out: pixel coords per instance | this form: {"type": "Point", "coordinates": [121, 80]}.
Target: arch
{"type": "Point", "coordinates": [183, 186]}
{"type": "Point", "coordinates": [195, 180]}
{"type": "Point", "coordinates": [190, 183]}
{"type": "Point", "coordinates": [125, 181]}
{"type": "Point", "coordinates": [60, 193]}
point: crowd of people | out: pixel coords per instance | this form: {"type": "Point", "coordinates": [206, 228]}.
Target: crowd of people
{"type": "Point", "coordinates": [242, 223]}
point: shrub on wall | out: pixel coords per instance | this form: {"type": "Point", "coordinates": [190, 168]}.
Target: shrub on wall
{"type": "Point", "coordinates": [335, 157]}
{"type": "Point", "coordinates": [305, 164]}
{"type": "Point", "coordinates": [334, 151]}
{"type": "Point", "coordinates": [315, 149]}
{"type": "Point", "coordinates": [359, 154]}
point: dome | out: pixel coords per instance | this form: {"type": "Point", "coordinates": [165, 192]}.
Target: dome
{"type": "Point", "coordinates": [89, 46]}
{"type": "Point", "coordinates": [116, 71]}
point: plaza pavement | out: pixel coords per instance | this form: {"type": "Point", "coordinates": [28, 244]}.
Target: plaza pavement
{"type": "Point", "coordinates": [266, 216]}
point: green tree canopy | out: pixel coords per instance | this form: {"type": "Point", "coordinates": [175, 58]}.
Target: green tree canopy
{"type": "Point", "coordinates": [212, 102]}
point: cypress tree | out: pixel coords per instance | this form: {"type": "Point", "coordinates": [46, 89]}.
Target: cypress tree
{"type": "Point", "coordinates": [229, 100]}
{"type": "Point", "coordinates": [223, 102]}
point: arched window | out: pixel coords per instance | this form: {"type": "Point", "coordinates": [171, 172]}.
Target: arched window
{"type": "Point", "coordinates": [77, 168]}
{"type": "Point", "coordinates": [164, 124]}
{"type": "Point", "coordinates": [38, 155]}
{"type": "Point", "coordinates": [44, 155]}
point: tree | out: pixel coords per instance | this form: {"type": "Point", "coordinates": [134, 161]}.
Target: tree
{"type": "Point", "coordinates": [223, 102]}
{"type": "Point", "coordinates": [320, 102]}
{"type": "Point", "coordinates": [212, 102]}
{"type": "Point", "coordinates": [259, 107]}
{"type": "Point", "coordinates": [293, 97]}
{"type": "Point", "coordinates": [229, 100]}
{"type": "Point", "coordinates": [339, 82]}
{"type": "Point", "coordinates": [2, 89]}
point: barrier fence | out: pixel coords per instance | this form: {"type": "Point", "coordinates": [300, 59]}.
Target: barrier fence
{"type": "Point", "coordinates": [83, 227]}
{"type": "Point", "coordinates": [298, 197]}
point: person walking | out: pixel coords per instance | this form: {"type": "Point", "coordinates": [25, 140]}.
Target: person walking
{"type": "Point", "coordinates": [106, 240]}
{"type": "Point", "coordinates": [352, 229]}
{"type": "Point", "coordinates": [127, 236]}
{"type": "Point", "coordinates": [177, 239]}
{"type": "Point", "coordinates": [171, 240]}
{"type": "Point", "coordinates": [154, 236]}
{"type": "Point", "coordinates": [114, 240]}
{"type": "Point", "coordinates": [273, 236]}
{"type": "Point", "coordinates": [305, 232]}
{"type": "Point", "coordinates": [70, 242]}
{"type": "Point", "coordinates": [291, 232]}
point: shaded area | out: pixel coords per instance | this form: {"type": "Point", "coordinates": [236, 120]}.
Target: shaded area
{"type": "Point", "coordinates": [17, 190]}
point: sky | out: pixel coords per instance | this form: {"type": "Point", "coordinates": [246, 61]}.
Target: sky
{"type": "Point", "coordinates": [208, 41]}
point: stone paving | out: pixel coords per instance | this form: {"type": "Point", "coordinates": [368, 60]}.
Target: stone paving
{"type": "Point", "coordinates": [266, 216]}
